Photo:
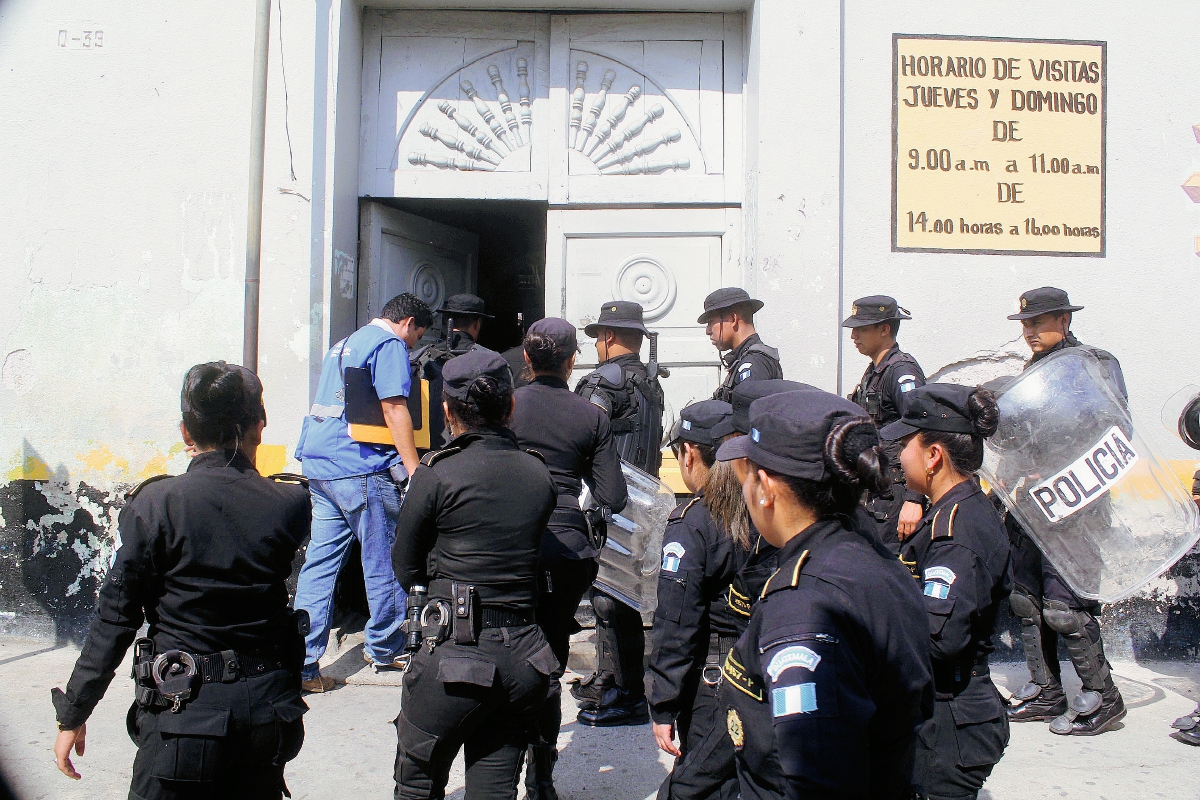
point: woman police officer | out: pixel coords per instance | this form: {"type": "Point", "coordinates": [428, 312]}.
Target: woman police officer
{"type": "Point", "coordinates": [960, 555]}
{"type": "Point", "coordinates": [471, 531]}
{"type": "Point", "coordinates": [826, 689]}
{"type": "Point", "coordinates": [575, 437]}
{"type": "Point", "coordinates": [204, 558]}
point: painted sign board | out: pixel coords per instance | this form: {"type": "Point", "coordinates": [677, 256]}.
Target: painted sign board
{"type": "Point", "coordinates": [998, 145]}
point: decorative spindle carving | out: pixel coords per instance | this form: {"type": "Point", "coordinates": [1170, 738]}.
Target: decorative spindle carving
{"type": "Point", "coordinates": [645, 148]}
{"type": "Point", "coordinates": [593, 117]}
{"type": "Point", "coordinates": [470, 129]}
{"type": "Point", "coordinates": [486, 113]}
{"type": "Point", "coordinates": [577, 102]}
{"type": "Point", "coordinates": [650, 167]}
{"type": "Point", "coordinates": [526, 102]}
{"type": "Point", "coordinates": [506, 108]}
{"type": "Point", "coordinates": [463, 164]}
{"type": "Point", "coordinates": [616, 143]}
{"type": "Point", "coordinates": [614, 118]}
{"type": "Point", "coordinates": [477, 153]}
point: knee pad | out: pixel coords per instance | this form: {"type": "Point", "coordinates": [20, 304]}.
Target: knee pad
{"type": "Point", "coordinates": [1064, 619]}
{"type": "Point", "coordinates": [603, 607]}
{"type": "Point", "coordinates": [1023, 605]}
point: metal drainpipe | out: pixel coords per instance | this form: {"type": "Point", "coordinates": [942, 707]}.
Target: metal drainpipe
{"type": "Point", "coordinates": [258, 140]}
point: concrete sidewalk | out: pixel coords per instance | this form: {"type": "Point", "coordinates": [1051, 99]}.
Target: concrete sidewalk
{"type": "Point", "coordinates": [350, 742]}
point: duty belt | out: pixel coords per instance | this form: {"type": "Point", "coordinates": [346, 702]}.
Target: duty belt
{"type": "Point", "coordinates": [227, 666]}
{"type": "Point", "coordinates": [951, 677]}
{"type": "Point", "coordinates": [719, 646]}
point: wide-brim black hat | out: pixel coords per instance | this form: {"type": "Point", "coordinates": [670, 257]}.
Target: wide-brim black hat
{"type": "Point", "coordinates": [1046, 300]}
{"type": "Point", "coordinates": [728, 297]}
{"type": "Point", "coordinates": [873, 310]}
{"type": "Point", "coordinates": [464, 305]}
{"type": "Point", "coordinates": [618, 314]}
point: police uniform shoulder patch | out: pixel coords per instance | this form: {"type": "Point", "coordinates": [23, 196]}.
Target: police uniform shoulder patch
{"type": "Point", "coordinates": [738, 678]}
{"type": "Point", "coordinates": [682, 509]}
{"type": "Point", "coordinates": [733, 724]}
{"type": "Point", "coordinates": [943, 523]}
{"type": "Point", "coordinates": [794, 656]}
{"type": "Point", "coordinates": [938, 581]}
{"type": "Point", "coordinates": [672, 553]}
{"type": "Point", "coordinates": [536, 454]}
{"type": "Point", "coordinates": [907, 382]}
{"type": "Point", "coordinates": [135, 490]}
{"type": "Point", "coordinates": [800, 698]}
{"type": "Point", "coordinates": [434, 456]}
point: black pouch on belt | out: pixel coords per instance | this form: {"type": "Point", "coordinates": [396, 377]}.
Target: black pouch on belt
{"type": "Point", "coordinates": [468, 613]}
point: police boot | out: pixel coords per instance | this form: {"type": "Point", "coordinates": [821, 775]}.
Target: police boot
{"type": "Point", "coordinates": [1043, 697]}
{"type": "Point", "coordinates": [1091, 713]}
{"type": "Point", "coordinates": [539, 776]}
{"type": "Point", "coordinates": [621, 708]}
{"type": "Point", "coordinates": [1034, 702]}
{"type": "Point", "coordinates": [1187, 729]}
{"type": "Point", "coordinates": [592, 690]}
{"type": "Point", "coordinates": [1099, 705]}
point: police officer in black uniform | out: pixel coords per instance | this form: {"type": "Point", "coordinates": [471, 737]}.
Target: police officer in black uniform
{"type": "Point", "coordinates": [728, 321]}
{"type": "Point", "coordinates": [629, 392]}
{"type": "Point", "coordinates": [470, 531]}
{"type": "Point", "coordinates": [826, 689]}
{"type": "Point", "coordinates": [693, 627]}
{"type": "Point", "coordinates": [462, 318]}
{"type": "Point", "coordinates": [892, 373]}
{"type": "Point", "coordinates": [960, 557]}
{"type": "Point", "coordinates": [204, 558]}
{"type": "Point", "coordinates": [1041, 598]}
{"type": "Point", "coordinates": [575, 437]}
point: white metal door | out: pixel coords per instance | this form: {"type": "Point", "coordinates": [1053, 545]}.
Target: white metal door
{"type": "Point", "coordinates": [665, 259]}
{"type": "Point", "coordinates": [402, 252]}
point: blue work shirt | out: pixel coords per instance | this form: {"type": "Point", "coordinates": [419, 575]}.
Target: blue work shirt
{"type": "Point", "coordinates": [325, 448]}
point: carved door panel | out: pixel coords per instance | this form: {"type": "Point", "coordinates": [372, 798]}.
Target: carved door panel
{"type": "Point", "coordinates": [666, 259]}
{"type": "Point", "coordinates": [646, 108]}
{"type": "Point", "coordinates": [454, 105]}
{"type": "Point", "coordinates": [402, 252]}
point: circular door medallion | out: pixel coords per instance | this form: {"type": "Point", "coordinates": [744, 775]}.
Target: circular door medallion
{"type": "Point", "coordinates": [429, 285]}
{"type": "Point", "coordinates": [644, 280]}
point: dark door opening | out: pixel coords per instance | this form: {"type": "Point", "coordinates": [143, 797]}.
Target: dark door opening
{"type": "Point", "coordinates": [512, 258]}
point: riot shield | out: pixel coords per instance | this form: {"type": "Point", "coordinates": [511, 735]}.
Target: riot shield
{"type": "Point", "coordinates": [1100, 502]}
{"type": "Point", "coordinates": [631, 557]}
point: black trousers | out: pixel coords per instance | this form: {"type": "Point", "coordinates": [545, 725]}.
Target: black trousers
{"type": "Point", "coordinates": [230, 740]}
{"type": "Point", "coordinates": [707, 767]}
{"type": "Point", "coordinates": [565, 582]}
{"type": "Point", "coordinates": [482, 698]}
{"type": "Point", "coordinates": [959, 746]}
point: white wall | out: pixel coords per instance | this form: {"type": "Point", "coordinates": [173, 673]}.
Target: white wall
{"type": "Point", "coordinates": [1140, 300]}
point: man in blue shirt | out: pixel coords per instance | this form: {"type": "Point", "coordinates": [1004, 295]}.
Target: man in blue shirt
{"type": "Point", "coordinates": [357, 488]}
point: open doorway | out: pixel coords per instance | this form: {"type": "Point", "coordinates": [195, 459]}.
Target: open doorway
{"type": "Point", "coordinates": [511, 268]}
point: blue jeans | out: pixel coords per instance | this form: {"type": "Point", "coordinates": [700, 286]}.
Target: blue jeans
{"type": "Point", "coordinates": [366, 508]}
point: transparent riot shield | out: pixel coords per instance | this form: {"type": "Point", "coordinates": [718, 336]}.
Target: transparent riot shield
{"type": "Point", "coordinates": [1100, 502]}
{"type": "Point", "coordinates": [1181, 415]}
{"type": "Point", "coordinates": [631, 557]}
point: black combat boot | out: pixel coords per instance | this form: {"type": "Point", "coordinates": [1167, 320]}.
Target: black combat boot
{"type": "Point", "coordinates": [539, 777]}
{"type": "Point", "coordinates": [620, 708]}
{"type": "Point", "coordinates": [591, 691]}
{"type": "Point", "coordinates": [1091, 713]}
{"type": "Point", "coordinates": [1187, 729]}
{"type": "Point", "coordinates": [1034, 702]}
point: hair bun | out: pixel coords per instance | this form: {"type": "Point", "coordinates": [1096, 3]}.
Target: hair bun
{"type": "Point", "coordinates": [854, 454]}
{"type": "Point", "coordinates": [983, 412]}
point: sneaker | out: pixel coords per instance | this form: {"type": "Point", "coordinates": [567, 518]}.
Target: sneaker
{"type": "Point", "coordinates": [317, 684]}
{"type": "Point", "coordinates": [1091, 713]}
{"type": "Point", "coordinates": [1037, 703]}
{"type": "Point", "coordinates": [399, 662]}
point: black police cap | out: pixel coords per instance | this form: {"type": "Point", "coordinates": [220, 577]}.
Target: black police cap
{"type": "Point", "coordinates": [557, 330]}
{"type": "Point", "coordinates": [873, 310]}
{"type": "Point", "coordinates": [728, 297]}
{"type": "Point", "coordinates": [618, 314]}
{"type": "Point", "coordinates": [933, 407]}
{"type": "Point", "coordinates": [464, 305]}
{"type": "Point", "coordinates": [697, 422]}
{"type": "Point", "coordinates": [1046, 300]}
{"type": "Point", "coordinates": [746, 393]}
{"type": "Point", "coordinates": [788, 432]}
{"type": "Point", "coordinates": [461, 372]}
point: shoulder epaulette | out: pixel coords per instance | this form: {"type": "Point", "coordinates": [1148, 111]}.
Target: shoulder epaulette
{"type": "Point", "coordinates": [943, 523]}
{"type": "Point", "coordinates": [773, 586]}
{"type": "Point", "coordinates": [134, 491]}
{"type": "Point", "coordinates": [536, 454]}
{"type": "Point", "coordinates": [434, 456]}
{"type": "Point", "coordinates": [289, 477]}
{"type": "Point", "coordinates": [682, 509]}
